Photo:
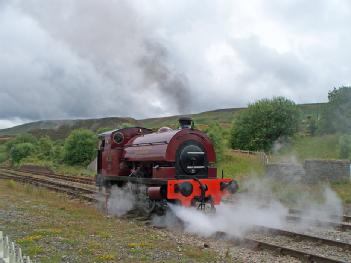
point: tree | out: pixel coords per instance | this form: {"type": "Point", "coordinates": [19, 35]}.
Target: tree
{"type": "Point", "coordinates": [21, 150]}
{"type": "Point", "coordinates": [214, 131]}
{"type": "Point", "coordinates": [336, 113]}
{"type": "Point", "coordinates": [79, 147]}
{"type": "Point", "coordinates": [264, 122]}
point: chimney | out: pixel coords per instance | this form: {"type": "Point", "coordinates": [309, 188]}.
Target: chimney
{"type": "Point", "coordinates": [186, 122]}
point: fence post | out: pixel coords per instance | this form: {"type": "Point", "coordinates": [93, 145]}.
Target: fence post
{"type": "Point", "coordinates": [6, 247]}
{"type": "Point", "coordinates": [19, 257]}
{"type": "Point", "coordinates": [10, 252]}
{"type": "Point", "coordinates": [1, 245]}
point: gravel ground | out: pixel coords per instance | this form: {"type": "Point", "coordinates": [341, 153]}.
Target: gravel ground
{"type": "Point", "coordinates": [228, 250]}
{"type": "Point", "coordinates": [323, 232]}
{"type": "Point", "coordinates": [304, 245]}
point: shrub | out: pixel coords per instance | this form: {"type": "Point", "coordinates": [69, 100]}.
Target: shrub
{"type": "Point", "coordinates": [214, 131]}
{"type": "Point", "coordinates": [45, 148]}
{"type": "Point", "coordinates": [79, 147]}
{"type": "Point", "coordinates": [20, 151]}
{"type": "Point", "coordinates": [264, 122]}
{"type": "Point", "coordinates": [21, 138]}
{"type": "Point", "coordinates": [311, 125]}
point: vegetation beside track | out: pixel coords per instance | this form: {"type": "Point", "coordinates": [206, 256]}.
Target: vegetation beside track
{"type": "Point", "coordinates": [51, 227]}
{"type": "Point", "coordinates": [310, 147]}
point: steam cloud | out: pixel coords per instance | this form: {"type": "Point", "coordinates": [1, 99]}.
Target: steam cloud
{"type": "Point", "coordinates": [258, 207]}
{"type": "Point", "coordinates": [238, 216]}
{"type": "Point", "coordinates": [121, 200]}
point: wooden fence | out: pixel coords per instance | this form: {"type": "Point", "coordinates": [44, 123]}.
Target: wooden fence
{"type": "Point", "coordinates": [10, 252]}
{"type": "Point", "coordinates": [264, 158]}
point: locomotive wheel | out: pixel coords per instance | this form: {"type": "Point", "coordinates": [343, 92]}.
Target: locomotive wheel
{"type": "Point", "coordinates": [148, 206]}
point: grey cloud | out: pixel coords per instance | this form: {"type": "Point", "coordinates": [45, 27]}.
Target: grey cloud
{"type": "Point", "coordinates": [86, 58]}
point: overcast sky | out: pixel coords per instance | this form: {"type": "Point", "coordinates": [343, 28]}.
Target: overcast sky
{"type": "Point", "coordinates": [96, 58]}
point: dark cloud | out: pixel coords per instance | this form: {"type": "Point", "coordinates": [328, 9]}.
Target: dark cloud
{"type": "Point", "coordinates": [168, 82]}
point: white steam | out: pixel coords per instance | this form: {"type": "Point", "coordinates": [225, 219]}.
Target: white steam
{"type": "Point", "coordinates": [329, 209]}
{"type": "Point", "coordinates": [120, 201]}
{"type": "Point", "coordinates": [258, 207]}
{"type": "Point", "coordinates": [234, 219]}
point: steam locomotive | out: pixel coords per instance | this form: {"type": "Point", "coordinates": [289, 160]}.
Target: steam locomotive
{"type": "Point", "coordinates": [173, 166]}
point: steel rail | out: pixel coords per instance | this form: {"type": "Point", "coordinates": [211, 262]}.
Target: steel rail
{"type": "Point", "coordinates": [83, 193]}
{"type": "Point", "coordinates": [317, 222]}
{"type": "Point", "coordinates": [257, 244]}
{"type": "Point", "coordinates": [48, 180]}
{"type": "Point", "coordinates": [345, 218]}
{"type": "Point", "coordinates": [300, 236]}
{"type": "Point", "coordinates": [78, 179]}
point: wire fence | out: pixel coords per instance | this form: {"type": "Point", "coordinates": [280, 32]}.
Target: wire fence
{"type": "Point", "coordinates": [10, 252]}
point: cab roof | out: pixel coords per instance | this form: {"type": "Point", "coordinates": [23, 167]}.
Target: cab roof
{"type": "Point", "coordinates": [106, 133]}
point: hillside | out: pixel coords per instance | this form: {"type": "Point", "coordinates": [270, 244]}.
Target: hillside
{"type": "Point", "coordinates": [61, 128]}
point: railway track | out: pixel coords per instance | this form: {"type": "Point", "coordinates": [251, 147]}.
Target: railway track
{"type": "Point", "coordinates": [79, 189]}
{"type": "Point", "coordinates": [58, 186]}
{"type": "Point", "coordinates": [344, 218]}
{"type": "Point", "coordinates": [342, 226]}
{"type": "Point", "coordinates": [301, 236]}
{"type": "Point", "coordinates": [78, 179]}
{"type": "Point", "coordinates": [304, 256]}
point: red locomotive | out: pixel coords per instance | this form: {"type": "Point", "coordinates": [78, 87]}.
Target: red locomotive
{"type": "Point", "coordinates": [176, 166]}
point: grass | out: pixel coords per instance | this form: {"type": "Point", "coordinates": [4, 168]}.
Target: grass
{"type": "Point", "coordinates": [58, 168]}
{"type": "Point", "coordinates": [3, 153]}
{"type": "Point", "coordinates": [50, 227]}
{"type": "Point", "coordinates": [239, 166]}
{"type": "Point", "coordinates": [318, 147]}
{"type": "Point", "coordinates": [343, 189]}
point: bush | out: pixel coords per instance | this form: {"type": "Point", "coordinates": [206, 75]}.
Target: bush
{"type": "Point", "coordinates": [20, 151]}
{"type": "Point", "coordinates": [311, 125]}
{"type": "Point", "coordinates": [57, 153]}
{"type": "Point", "coordinates": [21, 138]}
{"type": "Point", "coordinates": [345, 146]}
{"type": "Point", "coordinates": [214, 131]}
{"type": "Point", "coordinates": [45, 148]}
{"type": "Point", "coordinates": [264, 122]}
{"type": "Point", "coordinates": [80, 147]}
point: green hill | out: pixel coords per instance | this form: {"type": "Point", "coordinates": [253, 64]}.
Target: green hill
{"type": "Point", "coordinates": [61, 128]}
